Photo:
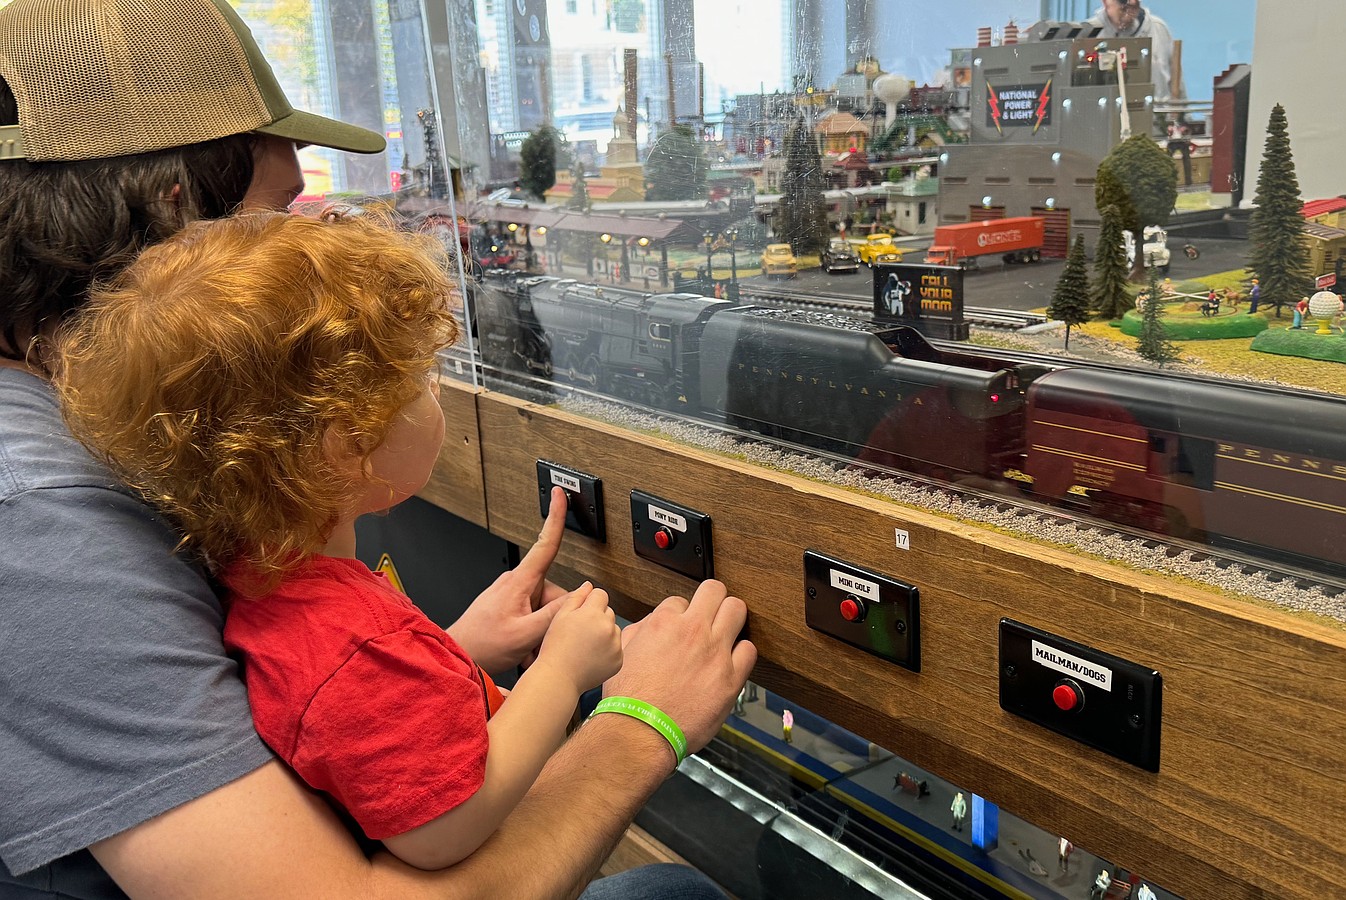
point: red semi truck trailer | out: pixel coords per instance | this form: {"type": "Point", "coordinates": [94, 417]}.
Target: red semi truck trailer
{"type": "Point", "coordinates": [1014, 240]}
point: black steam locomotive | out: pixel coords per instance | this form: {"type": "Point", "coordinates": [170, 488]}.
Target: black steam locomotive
{"type": "Point", "coordinates": [1243, 465]}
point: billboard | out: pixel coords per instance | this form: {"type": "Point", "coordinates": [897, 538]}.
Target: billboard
{"type": "Point", "coordinates": [530, 63]}
{"type": "Point", "coordinates": [928, 298]}
{"type": "Point", "coordinates": [530, 24]}
{"type": "Point", "coordinates": [1018, 105]}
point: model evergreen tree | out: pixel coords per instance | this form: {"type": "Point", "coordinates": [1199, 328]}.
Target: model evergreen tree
{"type": "Point", "coordinates": [1279, 259]}
{"type": "Point", "coordinates": [537, 160]}
{"type": "Point", "coordinates": [1141, 181]}
{"type": "Point", "coordinates": [1111, 300]}
{"type": "Point", "coordinates": [1070, 300]}
{"type": "Point", "coordinates": [1154, 343]}
{"type": "Point", "coordinates": [801, 217]}
{"type": "Point", "coordinates": [676, 167]}
{"type": "Point", "coordinates": [579, 188]}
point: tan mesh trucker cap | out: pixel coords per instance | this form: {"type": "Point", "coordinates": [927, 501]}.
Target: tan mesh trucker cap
{"type": "Point", "coordinates": [99, 78]}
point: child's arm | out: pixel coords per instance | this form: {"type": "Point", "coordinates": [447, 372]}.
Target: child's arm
{"type": "Point", "coordinates": [505, 624]}
{"type": "Point", "coordinates": [582, 649]}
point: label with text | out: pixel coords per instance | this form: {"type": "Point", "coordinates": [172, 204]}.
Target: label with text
{"type": "Point", "coordinates": [903, 539]}
{"type": "Point", "coordinates": [664, 517]}
{"type": "Point", "coordinates": [569, 482]}
{"type": "Point", "coordinates": [1061, 661]}
{"type": "Point", "coordinates": [853, 584]}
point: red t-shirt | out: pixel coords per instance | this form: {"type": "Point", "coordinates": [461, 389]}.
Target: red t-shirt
{"type": "Point", "coordinates": [364, 696]}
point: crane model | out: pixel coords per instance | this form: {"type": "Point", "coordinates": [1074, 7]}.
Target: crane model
{"type": "Point", "coordinates": [1110, 60]}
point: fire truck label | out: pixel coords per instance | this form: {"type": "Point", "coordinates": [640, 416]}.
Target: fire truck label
{"type": "Point", "coordinates": [1061, 661]}
{"type": "Point", "coordinates": [664, 517]}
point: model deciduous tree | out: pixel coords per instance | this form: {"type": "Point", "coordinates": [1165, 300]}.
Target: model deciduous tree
{"type": "Point", "coordinates": [801, 217]}
{"type": "Point", "coordinates": [1070, 300]}
{"type": "Point", "coordinates": [1141, 181]}
{"type": "Point", "coordinates": [1279, 259]}
{"type": "Point", "coordinates": [1154, 343]}
{"type": "Point", "coordinates": [676, 167]}
{"type": "Point", "coordinates": [1111, 300]}
{"type": "Point", "coordinates": [537, 160]}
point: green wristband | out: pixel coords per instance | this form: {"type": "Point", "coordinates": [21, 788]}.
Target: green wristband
{"type": "Point", "coordinates": [651, 716]}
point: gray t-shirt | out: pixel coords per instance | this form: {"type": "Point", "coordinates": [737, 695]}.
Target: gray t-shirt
{"type": "Point", "coordinates": [117, 701]}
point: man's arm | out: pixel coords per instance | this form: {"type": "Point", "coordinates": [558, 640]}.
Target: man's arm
{"type": "Point", "coordinates": [266, 835]}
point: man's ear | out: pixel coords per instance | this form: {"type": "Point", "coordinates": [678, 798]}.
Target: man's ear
{"type": "Point", "coordinates": [175, 198]}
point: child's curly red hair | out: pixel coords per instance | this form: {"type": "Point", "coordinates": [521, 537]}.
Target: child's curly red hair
{"type": "Point", "coordinates": [211, 371]}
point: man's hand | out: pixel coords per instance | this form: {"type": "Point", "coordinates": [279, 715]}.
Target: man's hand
{"type": "Point", "coordinates": [505, 624]}
{"type": "Point", "coordinates": [684, 659]}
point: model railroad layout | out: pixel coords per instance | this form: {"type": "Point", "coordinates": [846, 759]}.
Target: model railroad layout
{"type": "Point", "coordinates": [1254, 470]}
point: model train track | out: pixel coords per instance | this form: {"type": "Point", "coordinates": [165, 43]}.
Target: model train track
{"type": "Point", "coordinates": [800, 299]}
{"type": "Point", "coordinates": [1171, 374]}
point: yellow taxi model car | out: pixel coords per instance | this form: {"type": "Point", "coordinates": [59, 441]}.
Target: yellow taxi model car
{"type": "Point", "coordinates": [880, 248]}
{"type": "Point", "coordinates": [778, 261]}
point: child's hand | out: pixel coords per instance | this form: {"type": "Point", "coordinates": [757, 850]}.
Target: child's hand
{"type": "Point", "coordinates": [583, 642]}
{"type": "Point", "coordinates": [504, 626]}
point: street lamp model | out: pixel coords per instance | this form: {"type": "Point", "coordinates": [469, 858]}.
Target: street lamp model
{"type": "Point", "coordinates": [708, 287]}
{"type": "Point", "coordinates": [607, 261]}
{"type": "Point", "coordinates": [732, 236]}
{"type": "Point", "coordinates": [644, 244]}
{"type": "Point", "coordinates": [529, 258]}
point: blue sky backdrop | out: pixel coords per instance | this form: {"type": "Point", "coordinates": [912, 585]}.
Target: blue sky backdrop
{"type": "Point", "coordinates": [1213, 35]}
{"type": "Point", "coordinates": [914, 38]}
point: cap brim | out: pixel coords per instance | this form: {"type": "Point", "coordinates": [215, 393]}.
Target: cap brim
{"type": "Point", "coordinates": [307, 128]}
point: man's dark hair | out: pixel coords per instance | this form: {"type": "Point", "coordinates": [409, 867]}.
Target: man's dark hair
{"type": "Point", "coordinates": [69, 224]}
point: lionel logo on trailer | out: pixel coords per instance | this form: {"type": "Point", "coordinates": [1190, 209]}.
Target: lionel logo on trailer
{"type": "Point", "coordinates": [1019, 106]}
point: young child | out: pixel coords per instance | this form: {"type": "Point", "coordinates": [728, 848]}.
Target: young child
{"type": "Point", "coordinates": [265, 380]}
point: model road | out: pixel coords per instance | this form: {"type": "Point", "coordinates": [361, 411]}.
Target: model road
{"type": "Point", "coordinates": [1021, 287]}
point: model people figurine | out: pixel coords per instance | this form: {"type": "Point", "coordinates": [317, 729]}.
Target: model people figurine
{"type": "Point", "coordinates": [959, 810]}
{"type": "Point", "coordinates": [1101, 885]}
{"type": "Point", "coordinates": [787, 721]}
{"type": "Point", "coordinates": [1063, 850]}
{"type": "Point", "coordinates": [1034, 867]}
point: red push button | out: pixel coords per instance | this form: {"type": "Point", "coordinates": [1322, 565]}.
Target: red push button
{"type": "Point", "coordinates": [1067, 697]}
{"type": "Point", "coordinates": [663, 538]}
{"type": "Point", "coordinates": [852, 610]}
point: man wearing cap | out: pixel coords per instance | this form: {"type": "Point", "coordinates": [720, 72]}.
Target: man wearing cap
{"type": "Point", "coordinates": [1128, 19]}
{"type": "Point", "coordinates": [130, 766]}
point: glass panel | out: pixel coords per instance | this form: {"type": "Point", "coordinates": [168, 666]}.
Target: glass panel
{"type": "Point", "coordinates": [910, 209]}
{"type": "Point", "coordinates": [835, 236]}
